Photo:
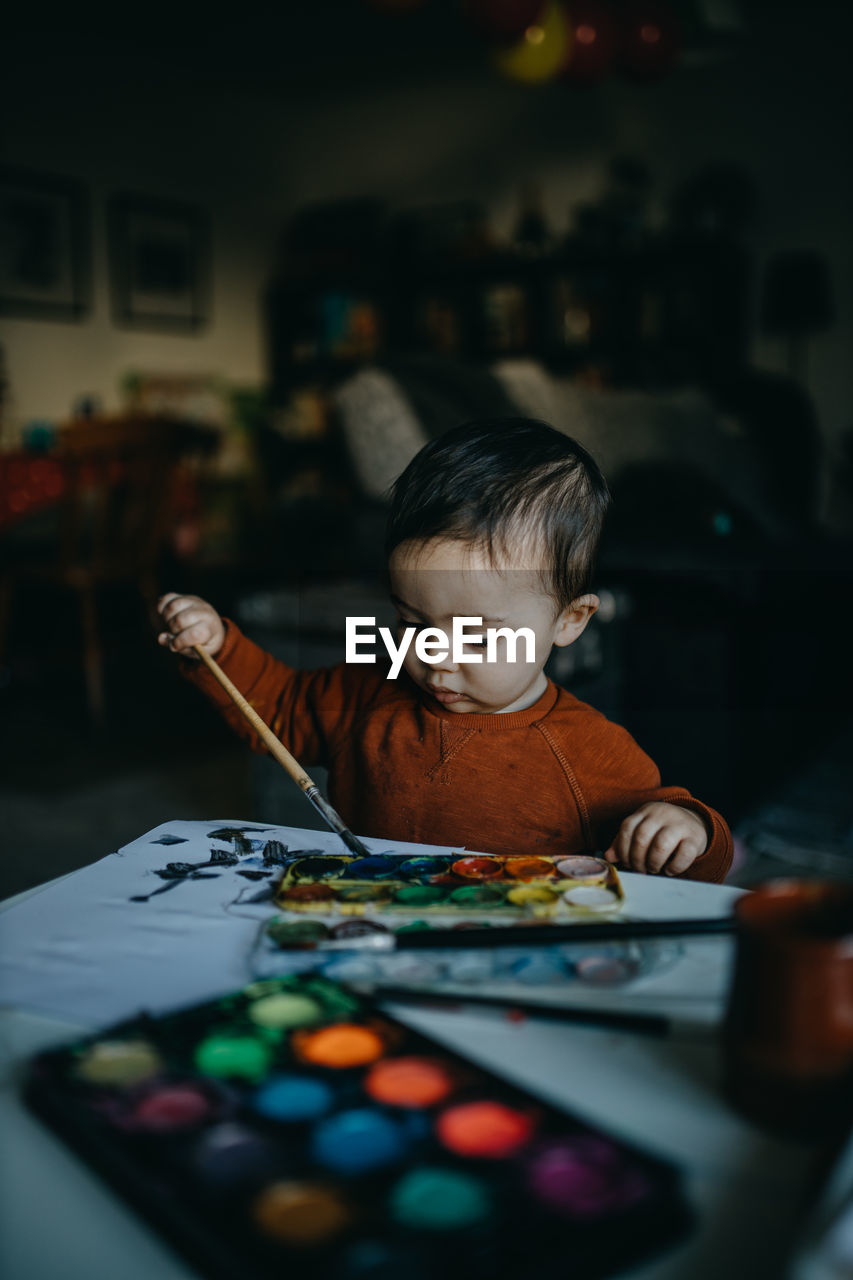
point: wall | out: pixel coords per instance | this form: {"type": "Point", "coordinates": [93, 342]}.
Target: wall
{"type": "Point", "coordinates": [168, 145]}
{"type": "Point", "coordinates": [252, 154]}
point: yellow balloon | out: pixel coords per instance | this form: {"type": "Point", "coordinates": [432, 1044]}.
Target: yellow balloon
{"type": "Point", "coordinates": [542, 51]}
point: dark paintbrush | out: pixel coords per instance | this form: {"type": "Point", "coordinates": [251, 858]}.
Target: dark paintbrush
{"type": "Point", "coordinates": [529, 935]}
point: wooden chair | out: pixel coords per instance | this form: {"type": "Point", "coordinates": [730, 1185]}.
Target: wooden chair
{"type": "Point", "coordinates": [114, 519]}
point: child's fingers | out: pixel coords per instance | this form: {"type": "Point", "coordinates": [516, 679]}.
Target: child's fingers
{"type": "Point", "coordinates": [164, 600]}
{"type": "Point", "coordinates": [641, 839]}
{"type": "Point", "coordinates": [176, 606]}
{"type": "Point", "coordinates": [683, 857]}
{"type": "Point", "coordinates": [662, 847]}
{"type": "Point", "coordinates": [622, 844]}
{"type": "Point", "coordinates": [189, 615]}
{"type": "Point", "coordinates": [197, 633]}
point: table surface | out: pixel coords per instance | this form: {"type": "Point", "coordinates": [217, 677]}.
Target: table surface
{"type": "Point", "coordinates": [750, 1189]}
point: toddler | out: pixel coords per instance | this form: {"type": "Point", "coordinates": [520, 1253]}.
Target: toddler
{"type": "Point", "coordinates": [497, 522]}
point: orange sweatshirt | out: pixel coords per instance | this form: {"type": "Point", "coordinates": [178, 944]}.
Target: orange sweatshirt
{"type": "Point", "coordinates": [555, 778]}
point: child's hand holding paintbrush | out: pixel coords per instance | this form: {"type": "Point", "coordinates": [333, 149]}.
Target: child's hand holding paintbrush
{"type": "Point", "coordinates": [191, 624]}
{"type": "Point", "coordinates": [196, 630]}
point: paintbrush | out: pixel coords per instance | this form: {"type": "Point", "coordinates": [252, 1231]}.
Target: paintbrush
{"type": "Point", "coordinates": [653, 1024]}
{"type": "Point", "coordinates": [288, 762]}
{"type": "Point", "coordinates": [526, 935]}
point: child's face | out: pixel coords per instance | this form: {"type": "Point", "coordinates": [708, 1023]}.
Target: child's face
{"type": "Point", "coordinates": [437, 579]}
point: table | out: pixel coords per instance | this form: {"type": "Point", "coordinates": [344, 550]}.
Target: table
{"type": "Point", "coordinates": [749, 1189]}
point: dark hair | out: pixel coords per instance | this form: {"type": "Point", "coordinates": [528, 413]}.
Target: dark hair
{"type": "Point", "coordinates": [484, 481]}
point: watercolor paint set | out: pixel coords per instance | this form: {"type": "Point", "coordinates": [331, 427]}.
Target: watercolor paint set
{"type": "Point", "coordinates": [459, 886]}
{"type": "Point", "coordinates": [293, 1128]}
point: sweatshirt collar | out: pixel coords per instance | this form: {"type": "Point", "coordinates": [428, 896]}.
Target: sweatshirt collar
{"type": "Point", "coordinates": [496, 721]}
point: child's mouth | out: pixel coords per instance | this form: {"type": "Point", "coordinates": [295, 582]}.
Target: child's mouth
{"type": "Point", "coordinates": [445, 696]}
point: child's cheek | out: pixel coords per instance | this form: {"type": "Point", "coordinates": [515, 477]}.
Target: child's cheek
{"type": "Point", "coordinates": [413, 666]}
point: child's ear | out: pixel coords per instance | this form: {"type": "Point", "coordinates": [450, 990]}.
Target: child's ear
{"type": "Point", "coordinates": [572, 621]}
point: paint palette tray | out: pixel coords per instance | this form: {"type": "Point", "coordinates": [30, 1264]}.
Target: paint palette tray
{"type": "Point", "coordinates": [345, 953]}
{"type": "Point", "coordinates": [293, 1128]}
{"type": "Point", "coordinates": [459, 886]}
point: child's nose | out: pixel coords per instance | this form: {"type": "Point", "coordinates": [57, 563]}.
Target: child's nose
{"type": "Point", "coordinates": [446, 664]}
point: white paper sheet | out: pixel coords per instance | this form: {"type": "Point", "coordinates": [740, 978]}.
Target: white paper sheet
{"type": "Point", "coordinates": [83, 949]}
{"type": "Point", "coordinates": [89, 949]}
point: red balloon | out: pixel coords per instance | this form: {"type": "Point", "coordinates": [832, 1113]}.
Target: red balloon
{"type": "Point", "coordinates": [595, 37]}
{"type": "Point", "coordinates": [503, 21]}
{"type": "Point", "coordinates": [651, 39]}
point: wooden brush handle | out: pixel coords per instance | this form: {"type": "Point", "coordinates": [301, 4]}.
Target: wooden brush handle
{"type": "Point", "coordinates": [275, 748]}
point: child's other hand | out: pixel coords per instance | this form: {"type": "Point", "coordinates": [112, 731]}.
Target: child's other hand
{"type": "Point", "coordinates": [657, 838]}
{"type": "Point", "coordinates": [189, 621]}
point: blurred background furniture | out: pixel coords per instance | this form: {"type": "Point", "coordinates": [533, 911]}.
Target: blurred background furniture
{"type": "Point", "coordinates": [117, 484]}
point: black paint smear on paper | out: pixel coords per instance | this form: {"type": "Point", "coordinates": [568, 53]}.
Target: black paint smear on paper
{"type": "Point", "coordinates": [264, 894]}
{"type": "Point", "coordinates": [274, 853]}
{"type": "Point", "coordinates": [231, 833]}
{"type": "Point", "coordinates": [221, 858]}
{"type": "Point", "coordinates": [172, 882]}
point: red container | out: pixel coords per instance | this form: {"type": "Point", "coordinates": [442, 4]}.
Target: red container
{"type": "Point", "coordinates": [789, 1027]}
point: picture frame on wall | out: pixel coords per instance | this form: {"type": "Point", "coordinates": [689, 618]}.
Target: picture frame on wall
{"type": "Point", "coordinates": [45, 246]}
{"type": "Point", "coordinates": [159, 264]}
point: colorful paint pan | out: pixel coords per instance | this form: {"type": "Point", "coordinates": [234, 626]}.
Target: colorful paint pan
{"type": "Point", "coordinates": [528, 869]}
{"type": "Point", "coordinates": [301, 895]}
{"type": "Point", "coordinates": [367, 893]}
{"type": "Point", "coordinates": [293, 1099]}
{"type": "Point", "coordinates": [440, 1199]}
{"type": "Point", "coordinates": [293, 1129]}
{"type": "Point", "coordinates": [296, 934]}
{"type": "Point", "coordinates": [596, 870]}
{"type": "Point", "coordinates": [358, 1141]}
{"type": "Point", "coordinates": [230, 1156]}
{"type": "Point", "coordinates": [586, 1177]}
{"type": "Point", "coordinates": [378, 866]}
{"type": "Point", "coordinates": [358, 929]}
{"type": "Point", "coordinates": [608, 968]}
{"type": "Point", "coordinates": [345, 1044]}
{"type": "Point", "coordinates": [409, 1082]}
{"type": "Point", "coordinates": [420, 868]}
{"type": "Point", "coordinates": [320, 867]}
{"type": "Point", "coordinates": [352, 966]}
{"type": "Point", "coordinates": [477, 896]}
{"type": "Point", "coordinates": [487, 1130]}
{"type": "Point", "coordinates": [285, 1009]}
{"type": "Point", "coordinates": [478, 868]}
{"type": "Point", "coordinates": [301, 1214]}
{"type": "Point", "coordinates": [119, 1062]}
{"type": "Point", "coordinates": [530, 895]}
{"type": "Point", "coordinates": [419, 895]}
{"type": "Point", "coordinates": [172, 1107]}
{"type": "Point", "coordinates": [225, 1055]}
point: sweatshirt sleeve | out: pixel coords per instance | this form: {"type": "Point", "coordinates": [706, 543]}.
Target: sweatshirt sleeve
{"type": "Point", "coordinates": [311, 712]}
{"type": "Point", "coordinates": [616, 777]}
